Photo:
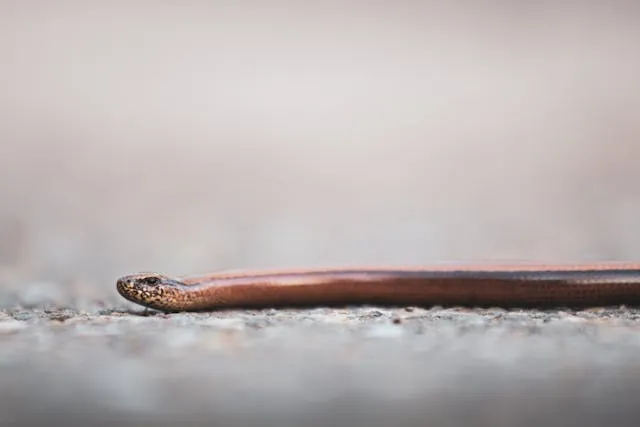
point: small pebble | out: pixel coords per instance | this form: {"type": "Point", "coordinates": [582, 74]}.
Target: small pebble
{"type": "Point", "coordinates": [23, 315]}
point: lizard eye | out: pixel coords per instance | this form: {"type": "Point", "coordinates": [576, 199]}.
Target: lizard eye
{"type": "Point", "coordinates": [151, 280]}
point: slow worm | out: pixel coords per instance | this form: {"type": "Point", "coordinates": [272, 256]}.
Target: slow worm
{"type": "Point", "coordinates": [520, 286]}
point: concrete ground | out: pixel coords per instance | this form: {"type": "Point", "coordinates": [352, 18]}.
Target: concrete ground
{"type": "Point", "coordinates": [79, 361]}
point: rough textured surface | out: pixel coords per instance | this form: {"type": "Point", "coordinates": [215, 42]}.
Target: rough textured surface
{"type": "Point", "coordinates": [360, 366]}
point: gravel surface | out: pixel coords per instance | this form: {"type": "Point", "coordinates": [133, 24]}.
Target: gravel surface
{"type": "Point", "coordinates": [361, 366]}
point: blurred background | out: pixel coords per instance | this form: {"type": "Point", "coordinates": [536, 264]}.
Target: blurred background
{"type": "Point", "coordinates": [186, 137]}
{"type": "Point", "coordinates": [191, 136]}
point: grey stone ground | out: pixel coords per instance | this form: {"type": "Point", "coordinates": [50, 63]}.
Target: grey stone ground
{"type": "Point", "coordinates": [110, 362]}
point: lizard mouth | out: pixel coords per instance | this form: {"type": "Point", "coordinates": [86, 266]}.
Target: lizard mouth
{"type": "Point", "coordinates": [127, 289]}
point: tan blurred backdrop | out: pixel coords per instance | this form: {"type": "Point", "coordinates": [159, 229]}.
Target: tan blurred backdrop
{"type": "Point", "coordinates": [197, 135]}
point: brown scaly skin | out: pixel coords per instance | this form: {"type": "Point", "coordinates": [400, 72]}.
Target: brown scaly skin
{"type": "Point", "coordinates": [515, 286]}
{"type": "Point", "coordinates": [153, 290]}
